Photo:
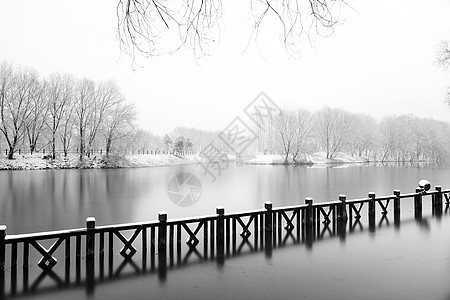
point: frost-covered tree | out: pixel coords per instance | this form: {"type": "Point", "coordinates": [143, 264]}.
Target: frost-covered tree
{"type": "Point", "coordinates": [167, 142]}
{"type": "Point", "coordinates": [17, 89]}
{"type": "Point", "coordinates": [179, 145]}
{"type": "Point", "coordinates": [333, 127]}
{"type": "Point", "coordinates": [292, 127]}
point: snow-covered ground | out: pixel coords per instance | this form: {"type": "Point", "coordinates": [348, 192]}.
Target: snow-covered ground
{"type": "Point", "coordinates": [318, 158]}
{"type": "Point", "coordinates": [37, 161]}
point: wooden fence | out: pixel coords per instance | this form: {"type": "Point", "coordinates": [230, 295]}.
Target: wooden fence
{"type": "Point", "coordinates": [166, 241]}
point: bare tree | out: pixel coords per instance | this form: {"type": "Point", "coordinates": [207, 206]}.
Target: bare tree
{"type": "Point", "coordinates": [60, 96]}
{"type": "Point", "coordinates": [443, 57]}
{"type": "Point", "coordinates": [16, 90]}
{"type": "Point", "coordinates": [39, 112]}
{"type": "Point", "coordinates": [67, 127]}
{"type": "Point", "coordinates": [293, 128]}
{"type": "Point", "coordinates": [364, 136]}
{"type": "Point", "coordinates": [119, 123]}
{"type": "Point", "coordinates": [333, 126]}
{"type": "Point", "coordinates": [142, 24]}
{"type": "Point", "coordinates": [391, 130]}
{"type": "Point", "coordinates": [107, 96]}
{"type": "Point", "coordinates": [84, 98]}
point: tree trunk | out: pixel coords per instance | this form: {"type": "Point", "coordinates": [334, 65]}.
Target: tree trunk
{"type": "Point", "coordinates": [11, 152]}
{"type": "Point", "coordinates": [81, 143]}
{"type": "Point", "coordinates": [108, 146]}
{"type": "Point", "coordinates": [53, 146]}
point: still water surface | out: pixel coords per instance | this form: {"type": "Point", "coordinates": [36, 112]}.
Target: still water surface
{"type": "Point", "coordinates": [59, 199]}
{"type": "Point", "coordinates": [410, 262]}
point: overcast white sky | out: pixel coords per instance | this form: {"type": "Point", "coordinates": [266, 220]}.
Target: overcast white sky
{"type": "Point", "coordinates": [379, 61]}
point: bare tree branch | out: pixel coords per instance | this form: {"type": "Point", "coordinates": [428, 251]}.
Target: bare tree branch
{"type": "Point", "coordinates": [443, 57]}
{"type": "Point", "coordinates": [143, 26]}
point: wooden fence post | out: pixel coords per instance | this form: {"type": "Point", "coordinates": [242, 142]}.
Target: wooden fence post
{"type": "Point", "coordinates": [342, 208]}
{"type": "Point", "coordinates": [437, 201]}
{"type": "Point", "coordinates": [309, 214]}
{"type": "Point", "coordinates": [397, 208]}
{"type": "Point", "coordinates": [2, 247]}
{"type": "Point", "coordinates": [90, 237]}
{"type": "Point", "coordinates": [220, 234]}
{"type": "Point", "coordinates": [268, 229]}
{"type": "Point", "coordinates": [418, 204]}
{"type": "Point", "coordinates": [162, 245]}
{"type": "Point", "coordinates": [2, 260]}
{"type": "Point", "coordinates": [90, 255]}
{"type": "Point", "coordinates": [372, 210]}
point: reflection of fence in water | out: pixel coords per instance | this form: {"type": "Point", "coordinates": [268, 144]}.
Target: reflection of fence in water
{"type": "Point", "coordinates": [90, 255]}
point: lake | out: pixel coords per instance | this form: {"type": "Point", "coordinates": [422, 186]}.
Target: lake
{"type": "Point", "coordinates": [363, 265]}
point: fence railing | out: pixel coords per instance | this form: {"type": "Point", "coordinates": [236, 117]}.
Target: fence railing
{"type": "Point", "coordinates": [163, 242]}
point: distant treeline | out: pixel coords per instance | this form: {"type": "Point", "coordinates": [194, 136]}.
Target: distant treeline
{"type": "Point", "coordinates": [61, 112]}
{"type": "Point", "coordinates": [64, 114]}
{"type": "Point", "coordinates": [334, 131]}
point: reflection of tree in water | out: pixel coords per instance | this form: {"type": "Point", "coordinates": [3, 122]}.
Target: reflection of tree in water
{"type": "Point", "coordinates": [129, 266]}
{"type": "Point", "coordinates": [58, 199]}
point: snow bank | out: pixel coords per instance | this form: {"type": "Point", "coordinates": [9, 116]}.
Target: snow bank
{"type": "Point", "coordinates": [318, 158]}
{"type": "Point", "coordinates": [38, 162]}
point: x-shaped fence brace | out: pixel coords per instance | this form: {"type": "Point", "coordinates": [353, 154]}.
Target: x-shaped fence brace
{"type": "Point", "coordinates": [447, 199]}
{"type": "Point", "coordinates": [325, 214]}
{"type": "Point", "coordinates": [128, 249]}
{"type": "Point", "coordinates": [246, 233]}
{"type": "Point", "coordinates": [289, 225]}
{"type": "Point", "coordinates": [47, 262]}
{"type": "Point", "coordinates": [357, 211]}
{"type": "Point", "coordinates": [385, 206]}
{"type": "Point", "coordinates": [193, 241]}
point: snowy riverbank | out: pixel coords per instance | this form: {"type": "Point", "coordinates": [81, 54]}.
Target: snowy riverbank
{"type": "Point", "coordinates": [37, 162]}
{"type": "Point", "coordinates": [318, 158]}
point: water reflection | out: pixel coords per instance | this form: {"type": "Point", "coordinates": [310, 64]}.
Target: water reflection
{"type": "Point", "coordinates": [269, 243]}
{"type": "Point", "coordinates": [59, 199]}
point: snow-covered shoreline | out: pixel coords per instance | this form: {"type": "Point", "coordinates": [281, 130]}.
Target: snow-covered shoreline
{"type": "Point", "coordinates": [38, 162]}
{"type": "Point", "coordinates": [317, 159]}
